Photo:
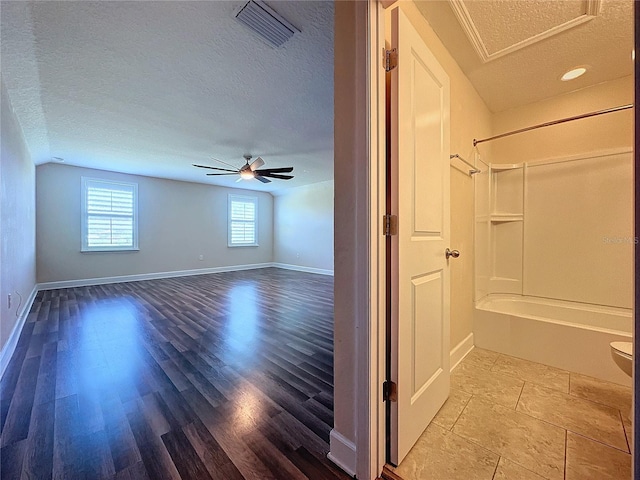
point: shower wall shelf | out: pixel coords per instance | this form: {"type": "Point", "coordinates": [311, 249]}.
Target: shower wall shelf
{"type": "Point", "coordinates": [506, 217]}
{"type": "Point", "coordinates": [499, 226]}
{"type": "Point", "coordinates": [505, 166]}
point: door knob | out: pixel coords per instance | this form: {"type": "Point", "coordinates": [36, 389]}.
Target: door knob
{"type": "Point", "coordinates": [451, 253]}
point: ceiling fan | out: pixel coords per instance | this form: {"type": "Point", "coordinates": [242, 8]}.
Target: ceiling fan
{"type": "Point", "coordinates": [250, 170]}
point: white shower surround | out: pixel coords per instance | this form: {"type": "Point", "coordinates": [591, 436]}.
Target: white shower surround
{"type": "Point", "coordinates": [569, 335]}
{"type": "Point", "coordinates": [516, 313]}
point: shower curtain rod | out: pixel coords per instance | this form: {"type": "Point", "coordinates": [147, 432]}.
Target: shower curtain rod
{"type": "Point", "coordinates": [555, 122]}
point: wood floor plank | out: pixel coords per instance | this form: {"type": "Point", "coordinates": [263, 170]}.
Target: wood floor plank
{"type": "Point", "coordinates": [287, 426]}
{"type": "Point", "coordinates": [9, 381]}
{"type": "Point", "coordinates": [136, 471]}
{"type": "Point", "coordinates": [174, 408]}
{"type": "Point", "coordinates": [157, 461]}
{"type": "Point", "coordinates": [311, 466]}
{"type": "Point", "coordinates": [11, 460]}
{"type": "Point", "coordinates": [222, 376]}
{"type": "Point", "coordinates": [273, 458]}
{"type": "Point", "coordinates": [38, 459]}
{"type": "Point", "coordinates": [216, 461]}
{"type": "Point", "coordinates": [97, 462]}
{"type": "Point", "coordinates": [46, 381]}
{"type": "Point", "coordinates": [16, 426]}
{"type": "Point", "coordinates": [122, 444]}
{"type": "Point", "coordinates": [185, 458]}
{"type": "Point", "coordinates": [67, 447]}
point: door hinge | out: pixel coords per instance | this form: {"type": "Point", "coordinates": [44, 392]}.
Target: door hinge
{"type": "Point", "coordinates": [389, 391]}
{"type": "Point", "coordinates": [390, 225]}
{"type": "Point", "coordinates": [390, 59]}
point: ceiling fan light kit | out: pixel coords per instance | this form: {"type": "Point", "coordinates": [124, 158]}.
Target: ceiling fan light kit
{"type": "Point", "coordinates": [251, 170]}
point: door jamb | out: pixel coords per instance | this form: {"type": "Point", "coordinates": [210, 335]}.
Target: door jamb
{"type": "Point", "coordinates": [371, 430]}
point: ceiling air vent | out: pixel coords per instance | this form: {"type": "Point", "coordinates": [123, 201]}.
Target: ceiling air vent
{"type": "Point", "coordinates": [264, 21]}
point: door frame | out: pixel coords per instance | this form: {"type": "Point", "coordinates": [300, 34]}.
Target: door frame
{"type": "Point", "coordinates": [378, 207]}
{"type": "Point", "coordinates": [371, 464]}
{"type": "Point", "coordinates": [372, 435]}
{"type": "Point", "coordinates": [372, 428]}
{"type": "Point", "coordinates": [357, 440]}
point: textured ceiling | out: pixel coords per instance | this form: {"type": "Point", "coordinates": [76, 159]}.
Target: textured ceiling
{"type": "Point", "coordinates": [151, 87]}
{"type": "Point", "coordinates": [514, 52]}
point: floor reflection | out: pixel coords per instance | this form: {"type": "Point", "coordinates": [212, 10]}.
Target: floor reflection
{"type": "Point", "coordinates": [108, 354]}
{"type": "Point", "coordinates": [242, 321]}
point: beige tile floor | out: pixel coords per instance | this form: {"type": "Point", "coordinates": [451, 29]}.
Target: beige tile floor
{"type": "Point", "coordinates": [512, 419]}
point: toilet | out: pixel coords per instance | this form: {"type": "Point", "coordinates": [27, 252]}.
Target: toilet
{"type": "Point", "coordinates": [622, 354]}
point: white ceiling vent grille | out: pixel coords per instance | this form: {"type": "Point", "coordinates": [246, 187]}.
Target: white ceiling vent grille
{"type": "Point", "coordinates": [265, 22]}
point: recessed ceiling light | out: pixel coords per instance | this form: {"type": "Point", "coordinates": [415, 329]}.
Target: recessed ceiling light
{"type": "Point", "coordinates": [574, 73]}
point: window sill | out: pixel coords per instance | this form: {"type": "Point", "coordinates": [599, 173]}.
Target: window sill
{"type": "Point", "coordinates": [108, 250]}
{"type": "Point", "coordinates": [244, 245]}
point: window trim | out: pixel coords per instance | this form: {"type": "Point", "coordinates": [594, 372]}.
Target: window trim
{"type": "Point", "coordinates": [244, 198]}
{"type": "Point", "coordinates": [85, 248]}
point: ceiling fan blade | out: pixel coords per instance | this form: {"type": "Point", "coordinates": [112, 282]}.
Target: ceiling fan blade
{"type": "Point", "coordinates": [276, 170]}
{"type": "Point", "coordinates": [224, 163]}
{"type": "Point", "coordinates": [215, 168]}
{"type": "Point", "coordinates": [257, 163]}
{"type": "Point", "coordinates": [211, 174]}
{"type": "Point", "coordinates": [262, 179]}
{"type": "Point", "coordinates": [275, 175]}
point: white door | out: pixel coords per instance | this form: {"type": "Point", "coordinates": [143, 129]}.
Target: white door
{"type": "Point", "coordinates": [420, 271]}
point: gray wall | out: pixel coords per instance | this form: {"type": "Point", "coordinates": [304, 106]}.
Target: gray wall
{"type": "Point", "coordinates": [303, 226]}
{"type": "Point", "coordinates": [178, 221]}
{"type": "Point", "coordinates": [17, 219]}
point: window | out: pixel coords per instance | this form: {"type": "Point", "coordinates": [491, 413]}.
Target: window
{"type": "Point", "coordinates": [109, 215]}
{"type": "Point", "coordinates": [243, 227]}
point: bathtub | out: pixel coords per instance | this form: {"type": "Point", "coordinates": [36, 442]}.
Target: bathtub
{"type": "Point", "coordinates": [568, 335]}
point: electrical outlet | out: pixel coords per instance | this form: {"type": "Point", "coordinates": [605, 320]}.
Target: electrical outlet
{"type": "Point", "coordinates": [298, 255]}
{"type": "Point", "coordinates": [9, 301]}
{"type": "Point", "coordinates": [201, 257]}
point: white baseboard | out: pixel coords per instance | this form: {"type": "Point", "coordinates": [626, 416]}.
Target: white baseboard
{"type": "Point", "coordinates": [342, 452]}
{"type": "Point", "coordinates": [84, 282]}
{"type": "Point", "coordinates": [299, 268]}
{"type": "Point", "coordinates": [12, 341]}
{"type": "Point", "coordinates": [461, 350]}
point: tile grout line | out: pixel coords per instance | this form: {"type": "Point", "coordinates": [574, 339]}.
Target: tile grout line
{"type": "Point", "coordinates": [460, 414]}
{"type": "Point", "coordinates": [596, 404]}
{"type": "Point", "coordinates": [568, 430]}
{"type": "Point", "coordinates": [524, 382]}
{"type": "Point", "coordinates": [598, 442]}
{"type": "Point", "coordinates": [483, 447]}
{"type": "Point", "coordinates": [624, 429]}
{"type": "Point", "coordinates": [515, 376]}
{"type": "Point", "coordinates": [546, 422]}
{"type": "Point", "coordinates": [566, 439]}
{"type": "Point", "coordinates": [495, 361]}
{"type": "Point", "coordinates": [473, 442]}
{"type": "Point", "coordinates": [496, 469]}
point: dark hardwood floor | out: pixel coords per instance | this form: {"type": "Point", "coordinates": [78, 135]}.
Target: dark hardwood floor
{"type": "Point", "coordinates": [222, 376]}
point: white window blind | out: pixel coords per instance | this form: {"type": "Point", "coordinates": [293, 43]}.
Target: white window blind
{"type": "Point", "coordinates": [109, 215]}
{"type": "Point", "coordinates": [243, 225]}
